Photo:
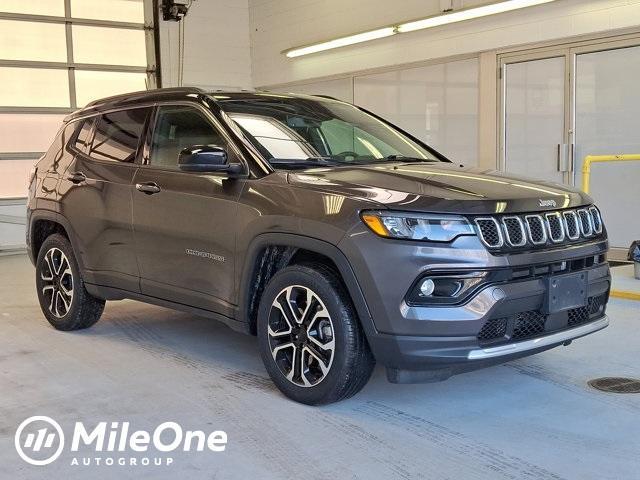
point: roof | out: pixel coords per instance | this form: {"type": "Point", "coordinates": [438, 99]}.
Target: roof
{"type": "Point", "coordinates": [177, 93]}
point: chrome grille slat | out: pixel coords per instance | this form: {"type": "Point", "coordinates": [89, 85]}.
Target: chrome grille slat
{"type": "Point", "coordinates": [539, 229]}
{"type": "Point", "coordinates": [571, 225]}
{"type": "Point", "coordinates": [490, 233]}
{"type": "Point", "coordinates": [514, 231]}
{"type": "Point", "coordinates": [555, 228]}
{"type": "Point", "coordinates": [536, 229]}
{"type": "Point", "coordinates": [596, 219]}
{"type": "Point", "coordinates": [586, 226]}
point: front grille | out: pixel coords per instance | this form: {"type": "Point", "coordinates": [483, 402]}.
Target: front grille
{"type": "Point", "coordinates": [494, 328]}
{"type": "Point", "coordinates": [535, 227]}
{"type": "Point", "coordinates": [585, 223]}
{"type": "Point", "coordinates": [596, 220]}
{"type": "Point", "coordinates": [556, 230]}
{"type": "Point", "coordinates": [528, 324]}
{"type": "Point", "coordinates": [532, 323]}
{"type": "Point", "coordinates": [571, 225]}
{"type": "Point", "coordinates": [490, 232]}
{"type": "Point", "coordinates": [594, 306]}
{"type": "Point", "coordinates": [514, 231]}
{"type": "Point", "coordinates": [539, 230]}
{"type": "Point", "coordinates": [578, 316]}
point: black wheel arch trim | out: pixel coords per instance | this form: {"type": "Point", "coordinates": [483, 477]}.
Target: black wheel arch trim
{"type": "Point", "coordinates": [38, 215]}
{"type": "Point", "coordinates": [307, 243]}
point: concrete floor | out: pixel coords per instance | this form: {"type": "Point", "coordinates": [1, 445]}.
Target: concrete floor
{"type": "Point", "coordinates": [624, 281]}
{"type": "Point", "coordinates": [534, 418]}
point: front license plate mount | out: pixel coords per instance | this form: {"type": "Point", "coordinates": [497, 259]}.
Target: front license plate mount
{"type": "Point", "coordinates": [566, 291]}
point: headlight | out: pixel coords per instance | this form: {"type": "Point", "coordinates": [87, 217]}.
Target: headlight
{"type": "Point", "coordinates": [416, 226]}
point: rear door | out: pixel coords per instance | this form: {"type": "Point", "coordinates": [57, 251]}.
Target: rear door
{"type": "Point", "coordinates": [184, 222]}
{"type": "Point", "coordinates": [97, 195]}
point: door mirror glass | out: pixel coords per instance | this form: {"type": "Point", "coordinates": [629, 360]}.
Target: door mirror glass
{"type": "Point", "coordinates": [203, 158]}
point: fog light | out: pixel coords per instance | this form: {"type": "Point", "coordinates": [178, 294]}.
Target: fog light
{"type": "Point", "coordinates": [427, 287]}
{"type": "Point", "coordinates": [445, 287]}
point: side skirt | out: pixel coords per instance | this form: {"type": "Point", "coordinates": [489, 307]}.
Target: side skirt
{"type": "Point", "coordinates": [111, 293]}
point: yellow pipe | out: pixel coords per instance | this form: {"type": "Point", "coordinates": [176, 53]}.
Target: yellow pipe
{"type": "Point", "coordinates": [589, 159]}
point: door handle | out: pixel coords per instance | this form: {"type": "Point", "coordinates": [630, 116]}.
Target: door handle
{"type": "Point", "coordinates": [149, 188]}
{"type": "Point", "coordinates": [77, 177]}
{"type": "Point", "coordinates": [563, 157]}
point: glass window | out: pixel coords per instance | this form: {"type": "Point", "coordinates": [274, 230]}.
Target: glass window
{"type": "Point", "coordinates": [293, 132]}
{"type": "Point", "coordinates": [34, 87]}
{"type": "Point", "coordinates": [437, 103]}
{"type": "Point", "coordinates": [83, 140]}
{"type": "Point", "coordinates": [28, 132]}
{"type": "Point", "coordinates": [607, 123]}
{"type": "Point", "coordinates": [92, 85]}
{"type": "Point", "coordinates": [13, 177]}
{"type": "Point", "coordinates": [109, 46]}
{"type": "Point", "coordinates": [118, 134]}
{"type": "Point", "coordinates": [117, 10]}
{"type": "Point", "coordinates": [178, 128]}
{"type": "Point", "coordinates": [34, 7]}
{"type": "Point", "coordinates": [37, 41]}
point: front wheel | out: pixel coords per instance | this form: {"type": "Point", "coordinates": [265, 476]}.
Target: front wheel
{"type": "Point", "coordinates": [64, 300]}
{"type": "Point", "coordinates": [311, 341]}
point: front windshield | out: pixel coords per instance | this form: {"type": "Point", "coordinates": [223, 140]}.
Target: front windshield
{"type": "Point", "coordinates": [294, 132]}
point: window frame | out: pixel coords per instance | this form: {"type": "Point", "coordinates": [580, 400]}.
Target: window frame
{"type": "Point", "coordinates": [142, 136]}
{"type": "Point", "coordinates": [152, 69]}
{"type": "Point", "coordinates": [73, 140]}
{"type": "Point", "coordinates": [150, 26]}
{"type": "Point", "coordinates": [233, 152]}
{"type": "Point", "coordinates": [94, 117]}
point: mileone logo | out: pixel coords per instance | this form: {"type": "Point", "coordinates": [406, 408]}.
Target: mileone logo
{"type": "Point", "coordinates": [40, 440]}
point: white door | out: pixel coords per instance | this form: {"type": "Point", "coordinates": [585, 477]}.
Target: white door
{"type": "Point", "coordinates": [534, 138]}
{"type": "Point", "coordinates": [607, 122]}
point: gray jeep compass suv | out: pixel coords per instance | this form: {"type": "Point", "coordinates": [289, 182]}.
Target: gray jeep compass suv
{"type": "Point", "coordinates": [334, 236]}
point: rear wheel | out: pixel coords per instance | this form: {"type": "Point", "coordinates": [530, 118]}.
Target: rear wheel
{"type": "Point", "coordinates": [63, 297]}
{"type": "Point", "coordinates": [310, 339]}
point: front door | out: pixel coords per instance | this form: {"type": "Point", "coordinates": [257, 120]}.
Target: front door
{"type": "Point", "coordinates": [184, 222]}
{"type": "Point", "coordinates": [534, 142]}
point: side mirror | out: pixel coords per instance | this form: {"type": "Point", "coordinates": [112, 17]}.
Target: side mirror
{"type": "Point", "coordinates": [206, 158]}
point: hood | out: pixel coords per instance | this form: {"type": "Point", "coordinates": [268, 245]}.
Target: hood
{"type": "Point", "coordinates": [440, 187]}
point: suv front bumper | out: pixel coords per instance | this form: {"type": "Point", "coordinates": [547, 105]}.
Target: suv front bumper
{"type": "Point", "coordinates": [430, 343]}
{"type": "Point", "coordinates": [429, 359]}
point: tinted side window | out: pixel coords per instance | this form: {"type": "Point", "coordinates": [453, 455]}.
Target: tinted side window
{"type": "Point", "coordinates": [82, 140]}
{"type": "Point", "coordinates": [118, 135]}
{"type": "Point", "coordinates": [178, 128]}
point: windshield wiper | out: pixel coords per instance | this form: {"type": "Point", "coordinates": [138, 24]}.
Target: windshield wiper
{"type": "Point", "coordinates": [393, 158]}
{"type": "Point", "coordinates": [402, 158]}
{"type": "Point", "coordinates": [304, 162]}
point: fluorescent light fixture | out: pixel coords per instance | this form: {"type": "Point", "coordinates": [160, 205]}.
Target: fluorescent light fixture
{"type": "Point", "coordinates": [453, 17]}
{"type": "Point", "coordinates": [342, 42]}
{"type": "Point", "coordinates": [468, 14]}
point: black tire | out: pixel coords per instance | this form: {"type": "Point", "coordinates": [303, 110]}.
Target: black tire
{"type": "Point", "coordinates": [351, 361]}
{"type": "Point", "coordinates": [83, 309]}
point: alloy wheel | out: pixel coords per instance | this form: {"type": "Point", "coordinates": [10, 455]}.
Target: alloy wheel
{"type": "Point", "coordinates": [301, 336]}
{"type": "Point", "coordinates": [57, 282]}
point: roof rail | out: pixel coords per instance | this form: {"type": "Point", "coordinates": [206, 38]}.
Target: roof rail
{"type": "Point", "coordinates": [326, 96]}
{"type": "Point", "coordinates": [124, 96]}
